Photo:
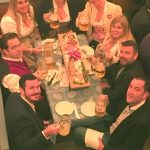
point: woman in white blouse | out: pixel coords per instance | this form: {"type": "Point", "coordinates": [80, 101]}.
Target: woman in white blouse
{"type": "Point", "coordinates": [118, 33]}
{"type": "Point", "coordinates": [61, 8]}
{"type": "Point", "coordinates": [100, 13]}
{"type": "Point", "coordinates": [19, 18]}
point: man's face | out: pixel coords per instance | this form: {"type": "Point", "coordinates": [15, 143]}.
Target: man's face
{"type": "Point", "coordinates": [14, 49]}
{"type": "Point", "coordinates": [136, 92]}
{"type": "Point", "coordinates": [127, 55]}
{"type": "Point", "coordinates": [32, 90]}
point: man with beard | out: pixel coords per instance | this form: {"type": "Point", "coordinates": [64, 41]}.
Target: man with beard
{"type": "Point", "coordinates": [25, 130]}
{"type": "Point", "coordinates": [118, 76]}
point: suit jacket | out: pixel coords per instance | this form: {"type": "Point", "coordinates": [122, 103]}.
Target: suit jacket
{"type": "Point", "coordinates": [119, 86]}
{"type": "Point", "coordinates": [144, 54]}
{"type": "Point", "coordinates": [140, 24]}
{"type": "Point", "coordinates": [132, 133]}
{"type": "Point", "coordinates": [23, 126]}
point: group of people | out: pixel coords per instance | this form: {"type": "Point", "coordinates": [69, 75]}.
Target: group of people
{"type": "Point", "coordinates": [124, 84]}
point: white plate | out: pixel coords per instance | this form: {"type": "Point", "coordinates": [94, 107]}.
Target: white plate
{"type": "Point", "coordinates": [88, 109]}
{"type": "Point", "coordinates": [64, 107]}
{"type": "Point", "coordinates": [86, 51]}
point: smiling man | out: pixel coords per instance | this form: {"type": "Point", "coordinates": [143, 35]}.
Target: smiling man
{"type": "Point", "coordinates": [25, 129]}
{"type": "Point", "coordinates": [131, 125]}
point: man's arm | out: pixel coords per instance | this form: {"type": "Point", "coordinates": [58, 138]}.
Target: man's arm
{"type": "Point", "coordinates": [23, 130]}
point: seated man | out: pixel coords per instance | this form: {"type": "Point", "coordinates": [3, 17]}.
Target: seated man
{"type": "Point", "coordinates": [25, 130]}
{"type": "Point", "coordinates": [131, 125]}
{"type": "Point", "coordinates": [13, 66]}
{"type": "Point", "coordinates": [118, 76]}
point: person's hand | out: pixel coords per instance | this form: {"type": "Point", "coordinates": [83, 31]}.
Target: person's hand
{"type": "Point", "coordinates": [104, 84]}
{"type": "Point", "coordinates": [46, 17]}
{"type": "Point", "coordinates": [109, 56]}
{"type": "Point", "coordinates": [36, 50]}
{"type": "Point", "coordinates": [52, 129]}
{"type": "Point", "coordinates": [101, 145]}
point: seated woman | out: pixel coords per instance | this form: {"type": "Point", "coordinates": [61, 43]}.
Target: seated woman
{"type": "Point", "coordinates": [100, 14]}
{"type": "Point", "coordinates": [19, 18]}
{"type": "Point", "coordinates": [63, 17]}
{"type": "Point", "coordinates": [119, 32]}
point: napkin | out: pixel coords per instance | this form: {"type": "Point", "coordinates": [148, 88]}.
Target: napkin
{"type": "Point", "coordinates": [13, 86]}
{"type": "Point", "coordinates": [91, 138]}
{"type": "Point", "coordinates": [54, 76]}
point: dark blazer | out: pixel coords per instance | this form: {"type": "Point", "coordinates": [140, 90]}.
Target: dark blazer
{"type": "Point", "coordinates": [23, 126]}
{"type": "Point", "coordinates": [119, 86]}
{"type": "Point", "coordinates": [132, 133]}
{"type": "Point", "coordinates": [144, 54]}
{"type": "Point", "coordinates": [140, 24]}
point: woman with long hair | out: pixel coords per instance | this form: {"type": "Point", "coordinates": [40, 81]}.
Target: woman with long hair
{"type": "Point", "coordinates": [100, 14]}
{"type": "Point", "coordinates": [118, 33]}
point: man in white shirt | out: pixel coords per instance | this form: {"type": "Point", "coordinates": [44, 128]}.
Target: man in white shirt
{"type": "Point", "coordinates": [130, 128]}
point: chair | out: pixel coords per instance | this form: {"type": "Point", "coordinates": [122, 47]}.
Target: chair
{"type": "Point", "coordinates": [3, 133]}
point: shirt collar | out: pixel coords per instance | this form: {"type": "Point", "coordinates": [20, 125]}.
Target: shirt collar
{"type": "Point", "coordinates": [137, 106]}
{"type": "Point", "coordinates": [12, 59]}
{"type": "Point", "coordinates": [29, 103]}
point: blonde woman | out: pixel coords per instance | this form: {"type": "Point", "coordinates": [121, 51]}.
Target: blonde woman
{"type": "Point", "coordinates": [100, 13]}
{"type": "Point", "coordinates": [119, 32]}
{"type": "Point", "coordinates": [19, 19]}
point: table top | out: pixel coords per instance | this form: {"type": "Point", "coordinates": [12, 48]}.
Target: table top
{"type": "Point", "coordinates": [56, 94]}
{"type": "Point", "coordinates": [61, 91]}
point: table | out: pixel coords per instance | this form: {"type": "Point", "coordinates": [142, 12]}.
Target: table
{"type": "Point", "coordinates": [55, 93]}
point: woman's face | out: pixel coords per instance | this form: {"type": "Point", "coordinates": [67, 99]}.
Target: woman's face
{"type": "Point", "coordinates": [22, 6]}
{"type": "Point", "coordinates": [117, 30]}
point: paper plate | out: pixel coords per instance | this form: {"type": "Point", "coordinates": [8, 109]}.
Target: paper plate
{"type": "Point", "coordinates": [86, 51]}
{"type": "Point", "coordinates": [64, 107]}
{"type": "Point", "coordinates": [88, 109]}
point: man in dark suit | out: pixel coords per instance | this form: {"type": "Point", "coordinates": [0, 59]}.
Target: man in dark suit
{"type": "Point", "coordinates": [118, 76]}
{"type": "Point", "coordinates": [130, 127]}
{"type": "Point", "coordinates": [25, 130]}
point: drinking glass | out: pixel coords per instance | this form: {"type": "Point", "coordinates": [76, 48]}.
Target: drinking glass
{"type": "Point", "coordinates": [54, 19]}
{"type": "Point", "coordinates": [42, 68]}
{"type": "Point", "coordinates": [101, 104]}
{"type": "Point", "coordinates": [84, 21]}
{"type": "Point", "coordinates": [65, 124]}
